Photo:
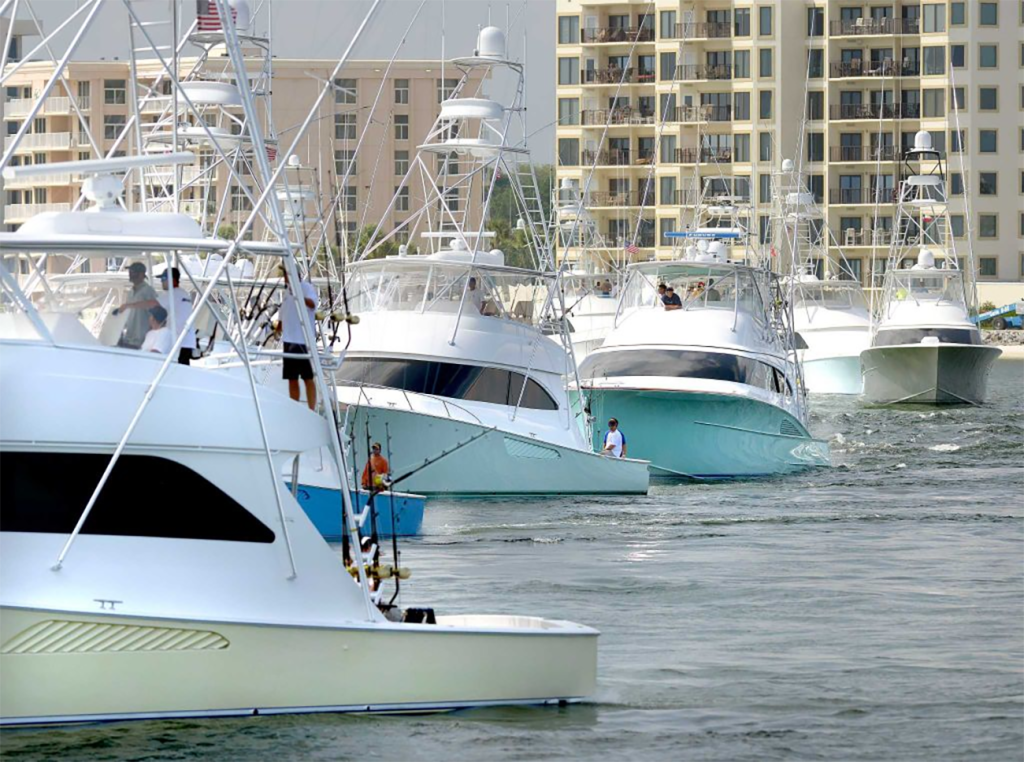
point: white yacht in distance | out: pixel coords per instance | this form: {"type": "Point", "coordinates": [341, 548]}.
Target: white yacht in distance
{"type": "Point", "coordinates": [925, 349]}
{"type": "Point", "coordinates": [710, 389]}
{"type": "Point", "coordinates": [459, 356]}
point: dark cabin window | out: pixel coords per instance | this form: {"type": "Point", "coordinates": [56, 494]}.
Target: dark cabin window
{"type": "Point", "coordinates": [145, 496]}
{"type": "Point", "coordinates": [683, 364]}
{"type": "Point", "coordinates": [892, 336]}
{"type": "Point", "coordinates": [447, 379]}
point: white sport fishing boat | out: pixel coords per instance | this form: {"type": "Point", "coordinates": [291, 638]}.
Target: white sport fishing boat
{"type": "Point", "coordinates": [925, 349]}
{"type": "Point", "coordinates": [710, 389]}
{"type": "Point", "coordinates": [830, 314]}
{"type": "Point", "coordinates": [453, 357]}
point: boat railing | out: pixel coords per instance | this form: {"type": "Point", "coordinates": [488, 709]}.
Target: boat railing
{"type": "Point", "coordinates": [446, 404]}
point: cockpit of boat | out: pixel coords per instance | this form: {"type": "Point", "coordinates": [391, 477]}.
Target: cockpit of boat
{"type": "Point", "coordinates": [945, 287]}
{"type": "Point", "coordinates": [831, 295]}
{"type": "Point", "coordinates": [699, 286]}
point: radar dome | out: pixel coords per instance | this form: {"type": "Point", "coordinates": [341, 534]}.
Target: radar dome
{"type": "Point", "coordinates": [925, 260]}
{"type": "Point", "coordinates": [922, 141]}
{"type": "Point", "coordinates": [490, 43]}
{"type": "Point", "coordinates": [787, 165]}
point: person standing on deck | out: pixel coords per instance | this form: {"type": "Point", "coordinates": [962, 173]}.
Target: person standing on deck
{"type": "Point", "coordinates": [376, 470]}
{"type": "Point", "coordinates": [182, 310]}
{"type": "Point", "coordinates": [614, 440]}
{"type": "Point", "coordinates": [293, 337]}
{"type": "Point", "coordinates": [141, 299]}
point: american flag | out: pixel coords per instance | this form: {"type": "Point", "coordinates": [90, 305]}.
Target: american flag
{"type": "Point", "coordinates": [632, 248]}
{"type": "Point", "coordinates": [271, 152]}
{"type": "Point", "coordinates": [207, 16]}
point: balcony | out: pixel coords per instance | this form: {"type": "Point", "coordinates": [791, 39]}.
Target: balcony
{"type": "Point", "coordinates": [54, 141]}
{"type": "Point", "coordinates": [863, 153]}
{"type": "Point", "coordinates": [18, 108]}
{"type": "Point", "coordinates": [870, 195]}
{"type": "Point", "coordinates": [622, 198]}
{"type": "Point", "coordinates": [616, 117]}
{"type": "Point", "coordinates": [628, 35]}
{"type": "Point", "coordinates": [683, 197]}
{"type": "Point", "coordinates": [643, 241]}
{"type": "Point", "coordinates": [703, 156]}
{"type": "Point", "coordinates": [861, 68]}
{"type": "Point", "coordinates": [852, 111]}
{"type": "Point", "coordinates": [53, 178]}
{"type": "Point", "coordinates": [699, 114]}
{"type": "Point", "coordinates": [697, 72]}
{"type": "Point", "coordinates": [611, 158]}
{"type": "Point", "coordinates": [613, 75]}
{"type": "Point", "coordinates": [867, 26]}
{"type": "Point", "coordinates": [857, 237]}
{"type": "Point", "coordinates": [703, 30]}
{"type": "Point", "coordinates": [15, 212]}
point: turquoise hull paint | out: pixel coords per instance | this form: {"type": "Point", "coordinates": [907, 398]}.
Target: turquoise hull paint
{"type": "Point", "coordinates": [706, 435]}
{"type": "Point", "coordinates": [323, 506]}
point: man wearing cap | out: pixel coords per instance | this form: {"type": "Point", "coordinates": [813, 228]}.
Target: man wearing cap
{"type": "Point", "coordinates": [141, 299]}
{"type": "Point", "coordinates": [182, 310]}
{"type": "Point", "coordinates": [293, 337]}
{"type": "Point", "coordinates": [671, 299]}
{"type": "Point", "coordinates": [614, 440]}
{"type": "Point", "coordinates": [376, 470]}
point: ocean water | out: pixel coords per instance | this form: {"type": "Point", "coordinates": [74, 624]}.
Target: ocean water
{"type": "Point", "coordinates": [871, 611]}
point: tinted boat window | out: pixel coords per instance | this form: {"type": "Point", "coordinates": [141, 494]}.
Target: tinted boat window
{"type": "Point", "coordinates": [145, 496]}
{"type": "Point", "coordinates": [893, 336]}
{"type": "Point", "coordinates": [681, 364]}
{"type": "Point", "coordinates": [446, 379]}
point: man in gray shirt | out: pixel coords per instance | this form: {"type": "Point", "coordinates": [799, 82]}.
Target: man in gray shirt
{"type": "Point", "coordinates": [140, 300]}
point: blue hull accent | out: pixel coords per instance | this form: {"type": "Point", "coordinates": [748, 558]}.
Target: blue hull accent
{"type": "Point", "coordinates": [323, 506]}
{"type": "Point", "coordinates": [708, 436]}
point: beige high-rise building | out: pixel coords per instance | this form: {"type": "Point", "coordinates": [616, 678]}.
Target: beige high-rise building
{"type": "Point", "coordinates": [712, 94]}
{"type": "Point", "coordinates": [408, 105]}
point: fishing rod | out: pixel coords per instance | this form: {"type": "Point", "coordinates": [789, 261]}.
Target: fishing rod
{"type": "Point", "coordinates": [394, 524]}
{"type": "Point", "coordinates": [444, 454]}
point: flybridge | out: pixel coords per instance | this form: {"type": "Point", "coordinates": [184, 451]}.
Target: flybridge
{"type": "Point", "coordinates": [705, 234]}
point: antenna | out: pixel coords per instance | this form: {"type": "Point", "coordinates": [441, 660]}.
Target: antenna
{"type": "Point", "coordinates": [99, 166]}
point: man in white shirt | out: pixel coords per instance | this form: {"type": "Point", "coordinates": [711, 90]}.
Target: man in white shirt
{"type": "Point", "coordinates": [158, 338]}
{"type": "Point", "coordinates": [475, 296]}
{"type": "Point", "coordinates": [293, 337]}
{"type": "Point", "coordinates": [181, 311]}
{"type": "Point", "coordinates": [614, 440]}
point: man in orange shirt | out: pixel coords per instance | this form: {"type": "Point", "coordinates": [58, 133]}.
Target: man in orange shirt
{"type": "Point", "coordinates": [376, 470]}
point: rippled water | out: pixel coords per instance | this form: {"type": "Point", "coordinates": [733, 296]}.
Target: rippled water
{"type": "Point", "coordinates": [870, 611]}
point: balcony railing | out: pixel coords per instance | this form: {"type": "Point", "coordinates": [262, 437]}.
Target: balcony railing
{"type": "Point", "coordinates": [864, 153]}
{"type": "Point", "coordinates": [865, 26]}
{"type": "Point", "coordinates": [22, 107]}
{"type": "Point", "coordinates": [703, 155]}
{"type": "Point", "coordinates": [616, 117]}
{"type": "Point", "coordinates": [865, 237]}
{"type": "Point", "coordinates": [643, 241]}
{"type": "Point", "coordinates": [683, 197]}
{"type": "Point", "coordinates": [694, 72]}
{"type": "Point", "coordinates": [613, 75]}
{"type": "Point", "coordinates": [695, 114]}
{"type": "Point", "coordinates": [696, 30]}
{"type": "Point", "coordinates": [874, 111]}
{"type": "Point", "coordinates": [52, 178]}
{"type": "Point", "coordinates": [861, 68]}
{"type": "Point", "coordinates": [623, 198]}
{"type": "Point", "coordinates": [869, 195]}
{"type": "Point", "coordinates": [14, 212]}
{"type": "Point", "coordinates": [45, 140]}
{"type": "Point", "coordinates": [617, 34]}
{"type": "Point", "coordinates": [611, 158]}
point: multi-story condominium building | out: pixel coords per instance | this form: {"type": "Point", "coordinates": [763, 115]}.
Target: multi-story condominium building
{"type": "Point", "coordinates": [102, 90]}
{"type": "Point", "coordinates": [670, 102]}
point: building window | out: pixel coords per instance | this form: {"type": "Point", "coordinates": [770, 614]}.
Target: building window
{"type": "Point", "coordinates": [816, 105]}
{"type": "Point", "coordinates": [112, 125]}
{"type": "Point", "coordinates": [115, 92]}
{"type": "Point", "coordinates": [988, 183]}
{"type": "Point", "coordinates": [934, 105]}
{"type": "Point", "coordinates": [401, 199]}
{"type": "Point", "coordinates": [764, 24]}
{"type": "Point", "coordinates": [741, 22]}
{"type": "Point", "coordinates": [958, 97]}
{"type": "Point", "coordinates": [934, 60]}
{"type": "Point", "coordinates": [764, 146]}
{"type": "Point", "coordinates": [989, 14]}
{"type": "Point", "coordinates": [957, 14]}
{"type": "Point", "coordinates": [957, 141]}
{"type": "Point", "coordinates": [934, 18]}
{"type": "Point", "coordinates": [988, 226]}
{"type": "Point", "coordinates": [401, 127]}
{"type": "Point", "coordinates": [401, 163]}
{"type": "Point", "coordinates": [815, 22]}
{"type": "Point", "coordinates": [988, 99]}
{"type": "Point", "coordinates": [987, 267]}
{"type": "Point", "coordinates": [568, 30]}
{"type": "Point", "coordinates": [568, 111]}
{"type": "Point", "coordinates": [957, 56]}
{"type": "Point", "coordinates": [815, 146]}
{"type": "Point", "coordinates": [956, 225]}
{"type": "Point", "coordinates": [446, 88]}
{"type": "Point", "coordinates": [765, 62]}
{"type": "Point", "coordinates": [568, 71]}
{"type": "Point", "coordinates": [345, 91]}
{"type": "Point", "coordinates": [815, 63]}
{"type": "Point", "coordinates": [667, 25]}
{"type": "Point", "coordinates": [816, 185]}
{"type": "Point", "coordinates": [988, 141]}
{"type": "Point", "coordinates": [344, 162]}
{"type": "Point", "coordinates": [667, 225]}
{"type": "Point", "coordinates": [350, 198]}
{"type": "Point", "coordinates": [344, 126]}
{"type": "Point", "coordinates": [765, 104]}
{"type": "Point", "coordinates": [741, 64]}
{"type": "Point", "coordinates": [240, 201]}
{"type": "Point", "coordinates": [956, 184]}
{"type": "Point", "coordinates": [741, 147]}
{"type": "Point", "coordinates": [988, 57]}
{"type": "Point", "coordinates": [401, 91]}
{"type": "Point", "coordinates": [568, 152]}
{"type": "Point", "coordinates": [741, 107]}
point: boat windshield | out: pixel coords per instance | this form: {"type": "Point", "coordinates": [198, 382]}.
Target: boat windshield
{"type": "Point", "coordinates": [699, 287]}
{"type": "Point", "coordinates": [430, 286]}
{"type": "Point", "coordinates": [832, 295]}
{"type": "Point", "coordinates": [939, 286]}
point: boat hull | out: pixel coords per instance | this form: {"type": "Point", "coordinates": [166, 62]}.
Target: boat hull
{"type": "Point", "coordinates": [833, 375]}
{"type": "Point", "coordinates": [494, 462]}
{"type": "Point", "coordinates": [64, 667]}
{"type": "Point", "coordinates": [929, 374]}
{"type": "Point", "coordinates": [323, 507]}
{"type": "Point", "coordinates": [707, 435]}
